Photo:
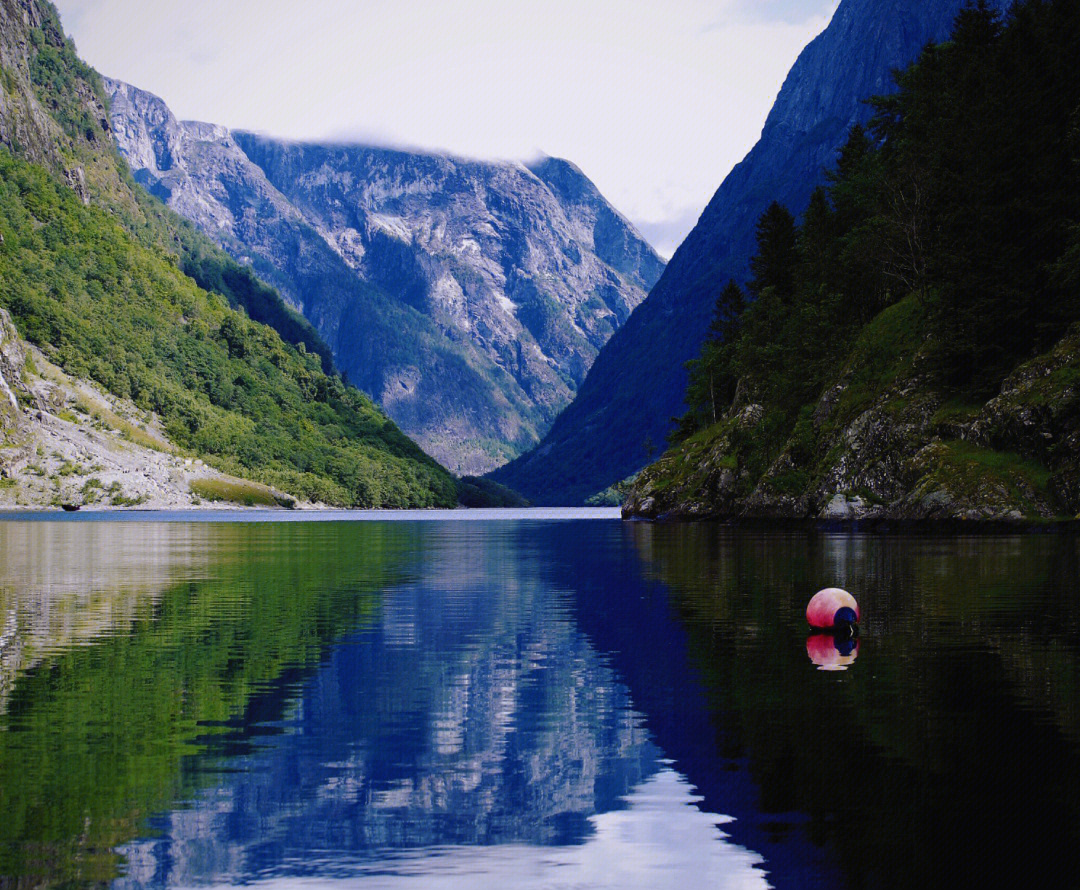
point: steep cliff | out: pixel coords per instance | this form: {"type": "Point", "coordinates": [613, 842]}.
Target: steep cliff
{"type": "Point", "coordinates": [126, 298]}
{"type": "Point", "coordinates": [624, 408]}
{"type": "Point", "coordinates": [469, 298]}
{"type": "Point", "coordinates": [913, 348]}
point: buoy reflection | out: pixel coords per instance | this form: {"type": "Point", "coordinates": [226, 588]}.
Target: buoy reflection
{"type": "Point", "coordinates": [832, 652]}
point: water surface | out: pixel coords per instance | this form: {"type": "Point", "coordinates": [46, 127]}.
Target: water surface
{"type": "Point", "coordinates": [534, 701]}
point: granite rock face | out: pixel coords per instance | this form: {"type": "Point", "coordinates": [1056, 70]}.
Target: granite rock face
{"type": "Point", "coordinates": [619, 415]}
{"type": "Point", "coordinates": [469, 298]}
{"type": "Point", "coordinates": [186, 165]}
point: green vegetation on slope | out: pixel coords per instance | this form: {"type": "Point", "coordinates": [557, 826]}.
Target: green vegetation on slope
{"type": "Point", "coordinates": [96, 273]}
{"type": "Point", "coordinates": [474, 491]}
{"type": "Point", "coordinates": [942, 257]}
{"type": "Point", "coordinates": [105, 307]}
{"type": "Point", "coordinates": [247, 494]}
{"type": "Point", "coordinates": [72, 92]}
{"type": "Point", "coordinates": [215, 271]}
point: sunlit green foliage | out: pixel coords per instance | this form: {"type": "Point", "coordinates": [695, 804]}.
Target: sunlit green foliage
{"type": "Point", "coordinates": [246, 494]}
{"type": "Point", "coordinates": [59, 76]}
{"type": "Point", "coordinates": [215, 271]}
{"type": "Point", "coordinates": [72, 92]}
{"type": "Point", "coordinates": [105, 291]}
{"type": "Point", "coordinates": [102, 306]}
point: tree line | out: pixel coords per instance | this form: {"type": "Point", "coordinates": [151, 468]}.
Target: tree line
{"type": "Point", "coordinates": [961, 194]}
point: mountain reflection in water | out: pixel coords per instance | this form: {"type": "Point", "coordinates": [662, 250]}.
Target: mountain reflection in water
{"type": "Point", "coordinates": [531, 703]}
{"type": "Point", "coordinates": [471, 712]}
{"type": "Point", "coordinates": [659, 839]}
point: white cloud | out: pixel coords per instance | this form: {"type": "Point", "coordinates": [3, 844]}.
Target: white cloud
{"type": "Point", "coordinates": [655, 102]}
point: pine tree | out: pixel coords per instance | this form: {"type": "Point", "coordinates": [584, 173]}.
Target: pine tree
{"type": "Point", "coordinates": [773, 266]}
{"type": "Point", "coordinates": [712, 379]}
{"type": "Point", "coordinates": [727, 314]}
{"type": "Point", "coordinates": [817, 244]}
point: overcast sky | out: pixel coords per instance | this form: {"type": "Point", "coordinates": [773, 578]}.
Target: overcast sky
{"type": "Point", "coordinates": [655, 101]}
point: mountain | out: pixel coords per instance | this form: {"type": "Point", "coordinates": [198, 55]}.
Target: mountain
{"type": "Point", "coordinates": [469, 298]}
{"type": "Point", "coordinates": [913, 348]}
{"type": "Point", "coordinates": [116, 291]}
{"type": "Point", "coordinates": [623, 410]}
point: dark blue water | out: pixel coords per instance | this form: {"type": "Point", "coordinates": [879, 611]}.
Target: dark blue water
{"type": "Point", "coordinates": [533, 703]}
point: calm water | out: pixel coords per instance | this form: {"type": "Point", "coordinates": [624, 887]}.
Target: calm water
{"type": "Point", "coordinates": [555, 702]}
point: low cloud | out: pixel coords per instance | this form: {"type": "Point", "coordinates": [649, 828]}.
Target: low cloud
{"type": "Point", "coordinates": [667, 234]}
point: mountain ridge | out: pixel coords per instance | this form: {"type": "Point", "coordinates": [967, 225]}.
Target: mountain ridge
{"type": "Point", "coordinates": [118, 291]}
{"type": "Point", "coordinates": [622, 414]}
{"type": "Point", "coordinates": [468, 297]}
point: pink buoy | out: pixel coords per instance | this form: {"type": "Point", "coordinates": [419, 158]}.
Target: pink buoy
{"type": "Point", "coordinates": [831, 608]}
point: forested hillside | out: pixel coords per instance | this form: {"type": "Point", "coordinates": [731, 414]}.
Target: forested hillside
{"type": "Point", "coordinates": [911, 347]}
{"type": "Point", "coordinates": [115, 288]}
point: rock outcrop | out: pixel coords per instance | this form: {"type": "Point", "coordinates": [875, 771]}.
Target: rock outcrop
{"type": "Point", "coordinates": [624, 408]}
{"type": "Point", "coordinates": [904, 451]}
{"type": "Point", "coordinates": [469, 298]}
{"type": "Point", "coordinates": [30, 127]}
{"type": "Point", "coordinates": [65, 441]}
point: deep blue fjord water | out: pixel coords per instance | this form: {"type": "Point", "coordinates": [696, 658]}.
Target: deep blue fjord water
{"type": "Point", "coordinates": [527, 699]}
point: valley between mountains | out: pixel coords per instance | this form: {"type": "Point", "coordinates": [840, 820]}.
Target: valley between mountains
{"type": "Point", "coordinates": [873, 318]}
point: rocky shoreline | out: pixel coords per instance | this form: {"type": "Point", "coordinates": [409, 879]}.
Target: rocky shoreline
{"type": "Point", "coordinates": [906, 452]}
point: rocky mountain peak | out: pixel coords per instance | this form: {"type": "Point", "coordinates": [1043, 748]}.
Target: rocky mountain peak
{"type": "Point", "coordinates": [468, 297]}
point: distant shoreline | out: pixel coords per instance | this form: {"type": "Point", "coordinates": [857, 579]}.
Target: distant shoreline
{"type": "Point", "coordinates": [234, 513]}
